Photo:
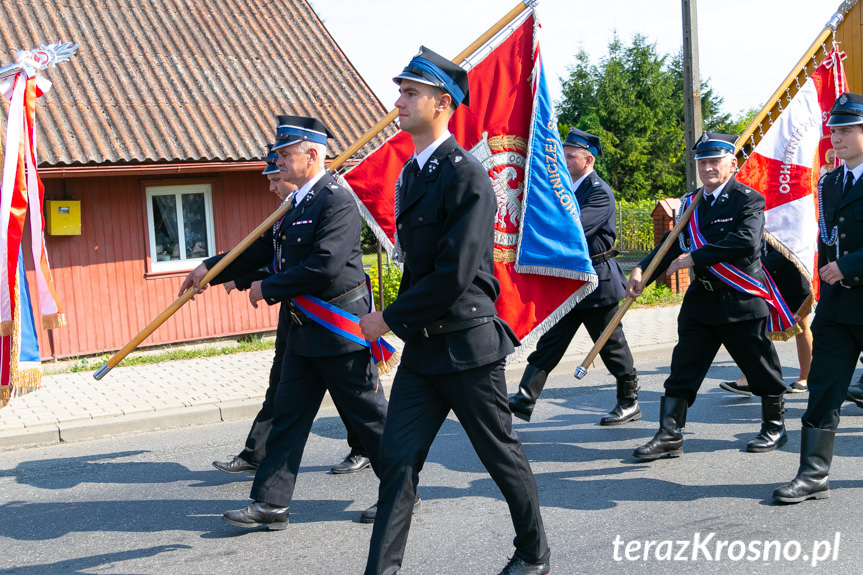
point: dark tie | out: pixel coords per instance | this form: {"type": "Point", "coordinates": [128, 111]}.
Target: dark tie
{"type": "Point", "coordinates": [849, 183]}
{"type": "Point", "coordinates": [411, 171]}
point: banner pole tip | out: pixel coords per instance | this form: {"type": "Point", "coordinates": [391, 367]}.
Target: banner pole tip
{"type": "Point", "coordinates": [102, 371]}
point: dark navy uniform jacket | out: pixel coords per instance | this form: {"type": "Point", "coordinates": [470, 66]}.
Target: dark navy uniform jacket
{"type": "Point", "coordinates": [319, 254]}
{"type": "Point", "coordinates": [733, 228]}
{"type": "Point", "coordinates": [842, 302]}
{"type": "Point", "coordinates": [446, 231]}
{"type": "Point", "coordinates": [596, 204]}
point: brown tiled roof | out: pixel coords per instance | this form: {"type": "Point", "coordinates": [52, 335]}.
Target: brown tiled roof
{"type": "Point", "coordinates": [183, 80]}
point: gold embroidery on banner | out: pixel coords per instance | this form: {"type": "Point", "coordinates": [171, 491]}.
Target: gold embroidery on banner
{"type": "Point", "coordinates": [505, 158]}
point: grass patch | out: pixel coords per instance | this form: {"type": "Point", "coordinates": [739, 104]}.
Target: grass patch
{"type": "Point", "coordinates": [371, 260]}
{"type": "Point", "coordinates": [658, 295]}
{"type": "Point", "coordinates": [244, 344]}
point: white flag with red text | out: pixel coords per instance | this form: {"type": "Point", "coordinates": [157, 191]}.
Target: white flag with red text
{"type": "Point", "coordinates": [791, 157]}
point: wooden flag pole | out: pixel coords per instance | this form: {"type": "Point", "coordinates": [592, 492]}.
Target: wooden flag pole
{"type": "Point", "coordinates": [388, 119]}
{"type": "Point", "coordinates": [581, 370]}
{"type": "Point", "coordinates": [274, 217]}
{"type": "Point", "coordinates": [829, 29]}
{"type": "Point", "coordinates": [190, 293]}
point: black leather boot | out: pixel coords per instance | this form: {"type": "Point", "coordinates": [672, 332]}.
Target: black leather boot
{"type": "Point", "coordinates": [532, 381]}
{"type": "Point", "coordinates": [627, 408]}
{"type": "Point", "coordinates": [816, 454]}
{"type": "Point", "coordinates": [772, 434]}
{"type": "Point", "coordinates": [668, 441]}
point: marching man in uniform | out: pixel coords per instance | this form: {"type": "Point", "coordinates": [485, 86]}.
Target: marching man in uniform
{"type": "Point", "coordinates": [724, 238]}
{"type": "Point", "coordinates": [316, 253]}
{"type": "Point", "coordinates": [837, 330]}
{"type": "Point", "coordinates": [455, 345]}
{"type": "Point", "coordinates": [596, 204]}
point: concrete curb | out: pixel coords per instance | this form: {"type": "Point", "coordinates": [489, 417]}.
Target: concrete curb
{"type": "Point", "coordinates": [172, 395]}
{"type": "Point", "coordinates": [100, 427]}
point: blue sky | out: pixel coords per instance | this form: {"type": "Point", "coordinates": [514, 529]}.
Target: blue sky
{"type": "Point", "coordinates": [747, 47]}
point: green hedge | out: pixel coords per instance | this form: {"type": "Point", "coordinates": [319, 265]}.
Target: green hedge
{"type": "Point", "coordinates": [635, 226]}
{"type": "Point", "coordinates": [392, 276]}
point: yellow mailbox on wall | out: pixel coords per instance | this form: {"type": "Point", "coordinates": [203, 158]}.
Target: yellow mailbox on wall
{"type": "Point", "coordinates": [63, 217]}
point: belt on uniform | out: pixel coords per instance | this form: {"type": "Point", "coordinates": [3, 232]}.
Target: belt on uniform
{"type": "Point", "coordinates": [441, 327]}
{"type": "Point", "coordinates": [340, 301]}
{"type": "Point", "coordinates": [604, 257]}
{"type": "Point", "coordinates": [709, 285]}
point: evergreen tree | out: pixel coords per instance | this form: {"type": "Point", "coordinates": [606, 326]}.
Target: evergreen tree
{"type": "Point", "coordinates": [633, 100]}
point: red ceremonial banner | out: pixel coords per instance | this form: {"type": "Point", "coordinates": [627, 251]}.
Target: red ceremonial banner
{"type": "Point", "coordinates": [495, 128]}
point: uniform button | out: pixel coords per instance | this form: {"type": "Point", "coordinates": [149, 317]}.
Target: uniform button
{"type": "Point", "coordinates": [842, 219]}
{"type": "Point", "coordinates": [283, 237]}
{"type": "Point", "coordinates": [721, 229]}
{"type": "Point", "coordinates": [845, 253]}
{"type": "Point", "coordinates": [420, 218]}
{"type": "Point", "coordinates": [283, 260]}
{"type": "Point", "coordinates": [299, 240]}
{"type": "Point", "coordinates": [856, 279]}
{"type": "Point", "coordinates": [400, 226]}
{"type": "Point", "coordinates": [842, 236]}
{"type": "Point", "coordinates": [472, 309]}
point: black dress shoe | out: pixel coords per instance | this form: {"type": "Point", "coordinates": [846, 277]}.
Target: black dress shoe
{"type": "Point", "coordinates": [256, 514]}
{"type": "Point", "coordinates": [368, 516]}
{"type": "Point", "coordinates": [518, 566]}
{"type": "Point", "coordinates": [734, 387]}
{"type": "Point", "coordinates": [236, 465]}
{"type": "Point", "coordinates": [351, 464]}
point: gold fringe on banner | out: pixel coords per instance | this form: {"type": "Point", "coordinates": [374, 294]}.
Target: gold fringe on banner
{"type": "Point", "coordinates": [387, 366]}
{"type": "Point", "coordinates": [23, 378]}
{"type": "Point", "coordinates": [53, 321]}
{"type": "Point", "coordinates": [792, 331]}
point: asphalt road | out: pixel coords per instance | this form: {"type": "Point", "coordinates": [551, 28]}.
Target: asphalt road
{"type": "Point", "coordinates": [151, 503]}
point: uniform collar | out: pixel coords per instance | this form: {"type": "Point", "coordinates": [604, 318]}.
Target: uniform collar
{"type": "Point", "coordinates": [423, 157]}
{"type": "Point", "coordinates": [858, 171]}
{"type": "Point", "coordinates": [578, 182]}
{"type": "Point", "coordinates": [715, 194]}
{"type": "Point", "coordinates": [304, 190]}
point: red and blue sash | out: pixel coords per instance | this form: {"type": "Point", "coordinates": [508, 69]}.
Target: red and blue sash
{"type": "Point", "coordinates": [781, 318]}
{"type": "Point", "coordinates": [347, 325]}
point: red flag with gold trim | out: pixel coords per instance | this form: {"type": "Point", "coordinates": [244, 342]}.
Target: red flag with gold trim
{"type": "Point", "coordinates": [537, 228]}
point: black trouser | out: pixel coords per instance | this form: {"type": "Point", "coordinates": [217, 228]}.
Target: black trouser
{"type": "Point", "coordinates": [352, 381]}
{"type": "Point", "coordinates": [615, 354]}
{"type": "Point", "coordinates": [418, 407]}
{"type": "Point", "coordinates": [835, 349]}
{"type": "Point", "coordinates": [354, 441]}
{"type": "Point", "coordinates": [746, 341]}
{"type": "Point", "coordinates": [256, 442]}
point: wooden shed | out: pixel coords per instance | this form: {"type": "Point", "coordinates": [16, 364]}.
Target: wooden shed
{"type": "Point", "coordinates": [157, 127]}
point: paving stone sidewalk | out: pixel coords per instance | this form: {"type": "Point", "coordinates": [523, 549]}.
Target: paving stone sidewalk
{"type": "Point", "coordinates": [75, 406]}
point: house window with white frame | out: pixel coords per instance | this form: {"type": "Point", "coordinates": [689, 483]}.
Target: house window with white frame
{"type": "Point", "coordinates": [180, 225]}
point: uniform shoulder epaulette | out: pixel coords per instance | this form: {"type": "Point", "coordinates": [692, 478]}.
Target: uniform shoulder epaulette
{"type": "Point", "coordinates": [595, 180]}
{"type": "Point", "coordinates": [744, 189]}
{"type": "Point", "coordinates": [458, 157]}
{"type": "Point", "coordinates": [838, 171]}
